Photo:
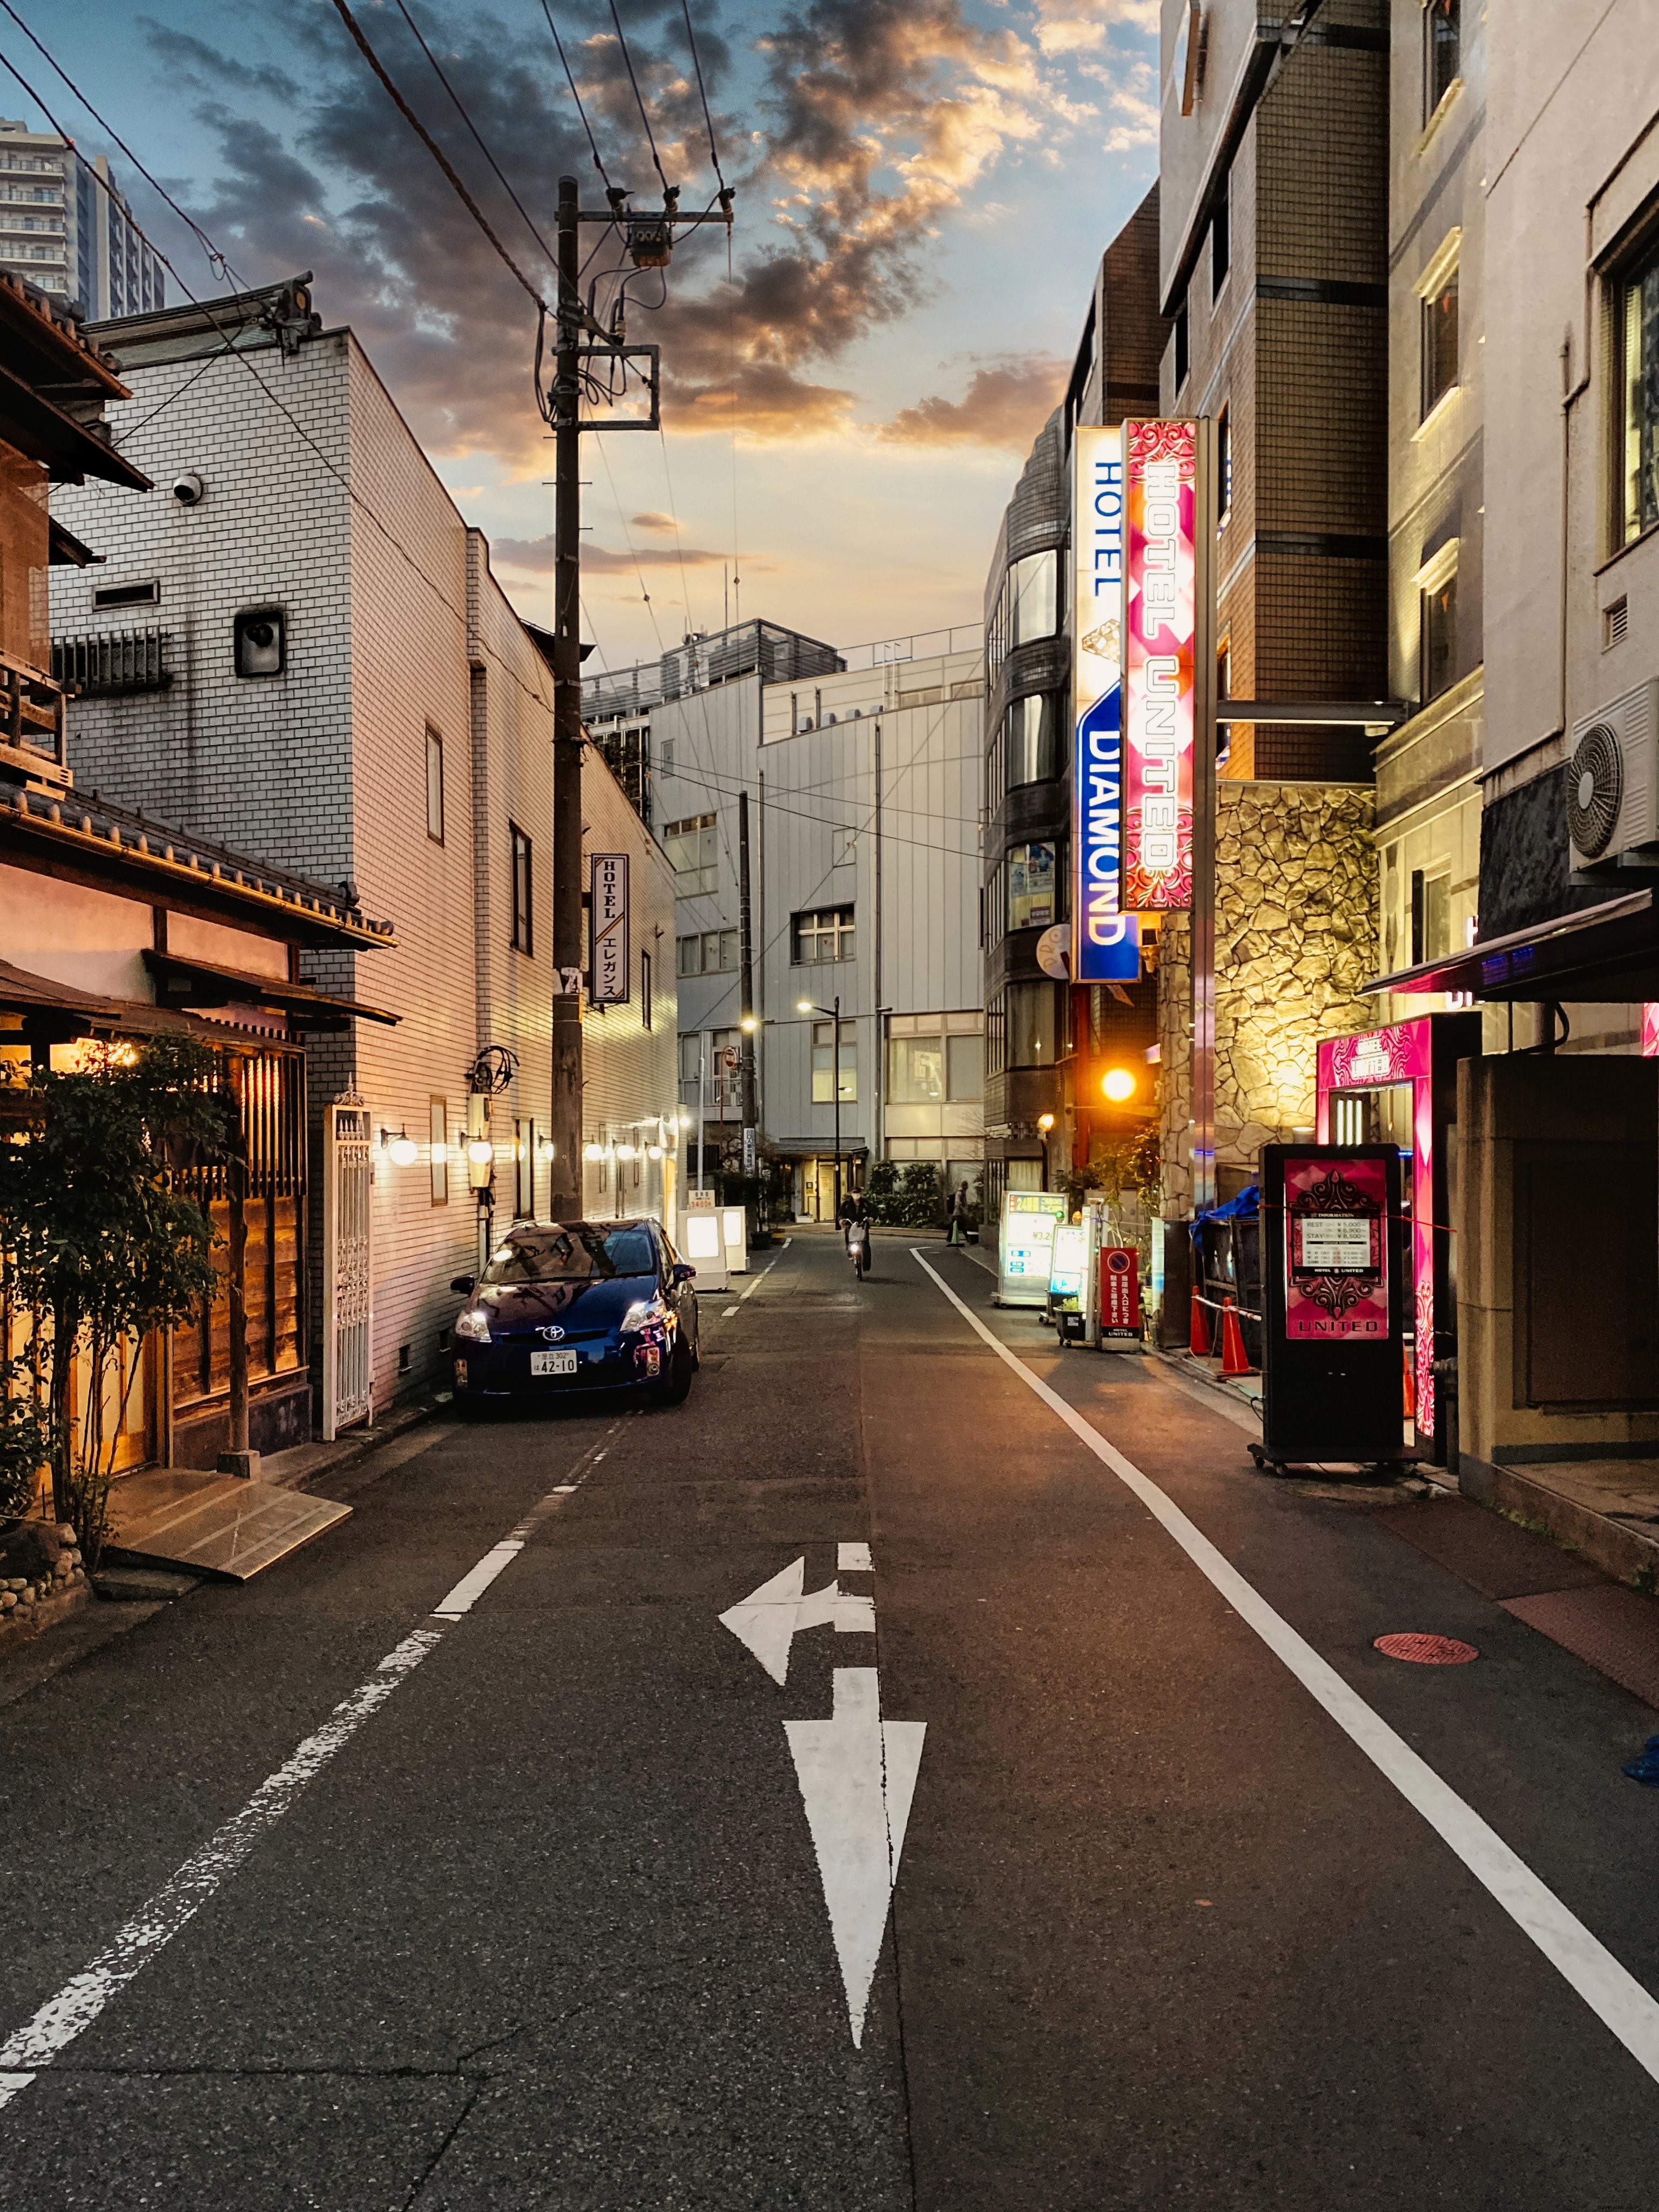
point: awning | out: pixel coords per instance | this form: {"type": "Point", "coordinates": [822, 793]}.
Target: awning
{"type": "Point", "coordinates": [67, 551]}
{"type": "Point", "coordinates": [1602, 954]}
{"type": "Point", "coordinates": [810, 1148]}
{"type": "Point", "coordinates": [28, 994]}
{"type": "Point", "coordinates": [181, 981]}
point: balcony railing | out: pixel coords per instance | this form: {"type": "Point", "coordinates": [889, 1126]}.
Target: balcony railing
{"type": "Point", "coordinates": [31, 720]}
{"type": "Point", "coordinates": [112, 662]}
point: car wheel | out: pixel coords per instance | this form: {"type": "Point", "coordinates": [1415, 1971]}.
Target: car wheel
{"type": "Point", "coordinates": [675, 1386]}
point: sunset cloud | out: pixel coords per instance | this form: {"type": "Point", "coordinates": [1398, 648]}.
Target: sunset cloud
{"type": "Point", "coordinates": [533, 557]}
{"type": "Point", "coordinates": [1006, 405]}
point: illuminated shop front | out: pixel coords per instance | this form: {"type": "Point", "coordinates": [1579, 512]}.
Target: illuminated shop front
{"type": "Point", "coordinates": [1399, 1086]}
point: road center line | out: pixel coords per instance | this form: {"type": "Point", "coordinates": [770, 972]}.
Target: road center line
{"type": "Point", "coordinates": [766, 1270]}
{"type": "Point", "coordinates": [1613, 1994]}
{"type": "Point", "coordinates": [181, 1897]}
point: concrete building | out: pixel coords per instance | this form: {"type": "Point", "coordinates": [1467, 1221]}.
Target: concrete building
{"type": "Point", "coordinates": [861, 770]}
{"type": "Point", "coordinates": [1047, 1043]}
{"type": "Point", "coordinates": [1558, 1121]}
{"type": "Point", "coordinates": [293, 645]}
{"type": "Point", "coordinates": [65, 227]}
{"type": "Point", "coordinates": [1429, 769]}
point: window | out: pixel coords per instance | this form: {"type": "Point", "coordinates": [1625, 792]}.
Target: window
{"type": "Point", "coordinates": [689, 845]}
{"type": "Point", "coordinates": [1430, 916]}
{"type": "Point", "coordinates": [127, 595]}
{"type": "Point", "coordinates": [1031, 741]}
{"type": "Point", "coordinates": [1182, 347]}
{"type": "Point", "coordinates": [996, 1033]}
{"type": "Point", "coordinates": [965, 1067]}
{"type": "Point", "coordinates": [707, 952]}
{"type": "Point", "coordinates": [1441, 51]}
{"type": "Point", "coordinates": [1439, 637]}
{"type": "Point", "coordinates": [1033, 885]}
{"type": "Point", "coordinates": [825, 934]}
{"type": "Point", "coordinates": [1439, 340]}
{"type": "Point", "coordinates": [1639, 316]}
{"type": "Point", "coordinates": [435, 785]}
{"type": "Point", "coordinates": [645, 990]}
{"type": "Point", "coordinates": [261, 642]}
{"type": "Point", "coordinates": [828, 1065]}
{"type": "Point", "coordinates": [690, 1056]}
{"type": "Point", "coordinates": [915, 1070]}
{"type": "Point", "coordinates": [524, 1170]}
{"type": "Point", "coordinates": [1224, 673]}
{"type": "Point", "coordinates": [522, 886]}
{"type": "Point", "coordinates": [1028, 606]}
{"type": "Point", "coordinates": [438, 1130]}
{"type": "Point", "coordinates": [1220, 237]}
{"type": "Point", "coordinates": [1224, 465]}
{"type": "Point", "coordinates": [1033, 1032]}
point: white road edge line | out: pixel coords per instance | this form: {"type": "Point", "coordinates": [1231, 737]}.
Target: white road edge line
{"type": "Point", "coordinates": [181, 1897]}
{"type": "Point", "coordinates": [765, 1271]}
{"type": "Point", "coordinates": [1613, 1994]}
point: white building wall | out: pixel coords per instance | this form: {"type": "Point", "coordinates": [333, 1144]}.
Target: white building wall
{"type": "Point", "coordinates": [393, 622]}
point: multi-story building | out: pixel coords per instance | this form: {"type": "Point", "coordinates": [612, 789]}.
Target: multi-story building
{"type": "Point", "coordinates": [1047, 1043]}
{"type": "Point", "coordinates": [293, 645]}
{"type": "Point", "coordinates": [1273, 274]}
{"type": "Point", "coordinates": [1557, 1146]}
{"type": "Point", "coordinates": [65, 227]}
{"type": "Point", "coordinates": [1428, 770]}
{"type": "Point", "coordinates": [860, 772]}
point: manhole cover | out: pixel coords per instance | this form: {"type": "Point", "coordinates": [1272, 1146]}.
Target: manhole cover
{"type": "Point", "coordinates": [1426, 1650]}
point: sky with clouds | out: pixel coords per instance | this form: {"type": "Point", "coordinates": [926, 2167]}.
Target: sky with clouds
{"type": "Point", "coordinates": [922, 190]}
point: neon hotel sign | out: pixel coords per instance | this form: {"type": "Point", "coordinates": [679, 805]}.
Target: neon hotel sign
{"type": "Point", "coordinates": [1134, 619]}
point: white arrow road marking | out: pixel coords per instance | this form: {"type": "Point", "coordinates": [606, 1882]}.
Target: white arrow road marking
{"type": "Point", "coordinates": [858, 1775]}
{"type": "Point", "coordinates": [766, 1621]}
{"type": "Point", "coordinates": [854, 1559]}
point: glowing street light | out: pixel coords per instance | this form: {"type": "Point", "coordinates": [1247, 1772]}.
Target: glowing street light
{"type": "Point", "coordinates": [1118, 1084]}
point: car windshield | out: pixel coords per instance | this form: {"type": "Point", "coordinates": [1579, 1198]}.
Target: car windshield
{"type": "Point", "coordinates": [581, 1251]}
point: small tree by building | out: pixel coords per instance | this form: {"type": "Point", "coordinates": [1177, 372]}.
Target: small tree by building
{"type": "Point", "coordinates": [100, 1246]}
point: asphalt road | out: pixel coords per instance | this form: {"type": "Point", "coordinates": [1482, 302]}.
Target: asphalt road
{"type": "Point", "coordinates": [574, 1908]}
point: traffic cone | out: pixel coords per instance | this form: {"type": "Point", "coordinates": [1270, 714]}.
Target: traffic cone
{"type": "Point", "coordinates": [1198, 1334]}
{"type": "Point", "coordinates": [1233, 1361]}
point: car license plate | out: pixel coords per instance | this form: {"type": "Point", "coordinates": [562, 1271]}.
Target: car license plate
{"type": "Point", "coordinates": [552, 1363]}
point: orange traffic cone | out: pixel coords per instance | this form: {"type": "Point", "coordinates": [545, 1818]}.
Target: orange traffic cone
{"type": "Point", "coordinates": [1198, 1334]}
{"type": "Point", "coordinates": [1233, 1361]}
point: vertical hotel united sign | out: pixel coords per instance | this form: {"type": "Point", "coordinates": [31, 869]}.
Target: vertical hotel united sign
{"type": "Point", "coordinates": [1105, 938]}
{"type": "Point", "coordinates": [1160, 624]}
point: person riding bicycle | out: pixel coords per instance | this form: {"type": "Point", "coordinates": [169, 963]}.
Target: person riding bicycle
{"type": "Point", "coordinates": [851, 1209]}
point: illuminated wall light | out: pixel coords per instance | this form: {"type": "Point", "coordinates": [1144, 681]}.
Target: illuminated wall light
{"type": "Point", "coordinates": [1045, 1122]}
{"type": "Point", "coordinates": [653, 1152]}
{"type": "Point", "coordinates": [624, 1151]}
{"type": "Point", "coordinates": [402, 1150]}
{"type": "Point", "coordinates": [480, 1152]}
{"type": "Point", "coordinates": [1118, 1084]}
{"type": "Point", "coordinates": [593, 1151]}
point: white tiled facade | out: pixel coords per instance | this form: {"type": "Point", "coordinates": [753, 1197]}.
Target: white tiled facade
{"type": "Point", "coordinates": [394, 625]}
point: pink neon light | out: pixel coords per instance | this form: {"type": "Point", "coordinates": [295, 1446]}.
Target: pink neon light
{"type": "Point", "coordinates": [1159, 627]}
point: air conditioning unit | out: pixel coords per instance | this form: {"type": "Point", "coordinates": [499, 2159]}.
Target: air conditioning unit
{"type": "Point", "coordinates": [1612, 784]}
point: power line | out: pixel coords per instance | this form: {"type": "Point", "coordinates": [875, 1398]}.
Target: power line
{"type": "Point", "coordinates": [592, 142]}
{"type": "Point", "coordinates": [691, 40]}
{"type": "Point", "coordinates": [460, 109]}
{"type": "Point", "coordinates": [431, 145]}
{"type": "Point", "coordinates": [628, 63]}
{"type": "Point", "coordinates": [217, 260]}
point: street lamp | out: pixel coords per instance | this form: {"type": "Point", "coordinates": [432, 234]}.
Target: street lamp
{"type": "Point", "coordinates": [809, 1006]}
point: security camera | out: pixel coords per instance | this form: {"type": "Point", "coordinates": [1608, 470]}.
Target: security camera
{"type": "Point", "coordinates": [189, 490]}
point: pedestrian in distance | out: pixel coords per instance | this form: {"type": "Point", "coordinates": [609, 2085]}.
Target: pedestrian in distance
{"type": "Point", "coordinates": [958, 1212]}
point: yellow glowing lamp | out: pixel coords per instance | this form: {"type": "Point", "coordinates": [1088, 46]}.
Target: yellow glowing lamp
{"type": "Point", "coordinates": [480, 1152]}
{"type": "Point", "coordinates": [593, 1151]}
{"type": "Point", "coordinates": [1118, 1084]}
{"type": "Point", "coordinates": [1045, 1122]}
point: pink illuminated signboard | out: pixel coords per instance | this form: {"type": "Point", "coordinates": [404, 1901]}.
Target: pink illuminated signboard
{"type": "Point", "coordinates": [1651, 1031]}
{"type": "Point", "coordinates": [1160, 481]}
{"type": "Point", "coordinates": [1336, 1249]}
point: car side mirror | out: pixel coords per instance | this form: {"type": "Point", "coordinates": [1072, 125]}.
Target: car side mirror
{"type": "Point", "coordinates": [682, 1274]}
{"type": "Point", "coordinates": [462, 1283]}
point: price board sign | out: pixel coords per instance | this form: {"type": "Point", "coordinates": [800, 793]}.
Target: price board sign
{"type": "Point", "coordinates": [1026, 1257]}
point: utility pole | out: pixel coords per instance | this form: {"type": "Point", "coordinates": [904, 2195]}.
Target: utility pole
{"type": "Point", "coordinates": [648, 238]}
{"type": "Point", "coordinates": [566, 1122]}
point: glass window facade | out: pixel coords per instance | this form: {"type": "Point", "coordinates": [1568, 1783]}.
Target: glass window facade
{"type": "Point", "coordinates": [825, 933]}
{"type": "Point", "coordinates": [1638, 306]}
{"type": "Point", "coordinates": [1033, 884]}
{"type": "Point", "coordinates": [1439, 343]}
{"type": "Point", "coordinates": [689, 845]}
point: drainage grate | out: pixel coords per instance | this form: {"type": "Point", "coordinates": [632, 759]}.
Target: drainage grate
{"type": "Point", "coordinates": [1426, 1650]}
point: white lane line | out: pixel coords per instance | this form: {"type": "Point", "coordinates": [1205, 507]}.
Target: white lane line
{"type": "Point", "coordinates": [727, 1312]}
{"type": "Point", "coordinates": [1613, 1994]}
{"type": "Point", "coordinates": [764, 1272]}
{"type": "Point", "coordinates": [181, 1897]}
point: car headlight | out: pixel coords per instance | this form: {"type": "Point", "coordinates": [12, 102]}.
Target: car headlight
{"type": "Point", "coordinates": [473, 1325]}
{"type": "Point", "coordinates": [645, 1313]}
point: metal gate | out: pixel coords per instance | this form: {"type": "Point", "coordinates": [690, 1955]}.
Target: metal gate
{"type": "Point", "coordinates": [348, 1316]}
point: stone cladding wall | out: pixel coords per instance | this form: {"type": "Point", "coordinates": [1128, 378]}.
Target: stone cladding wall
{"type": "Point", "coordinates": [1296, 937]}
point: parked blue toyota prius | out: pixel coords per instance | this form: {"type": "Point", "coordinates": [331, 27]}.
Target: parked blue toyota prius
{"type": "Point", "coordinates": [574, 1306]}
